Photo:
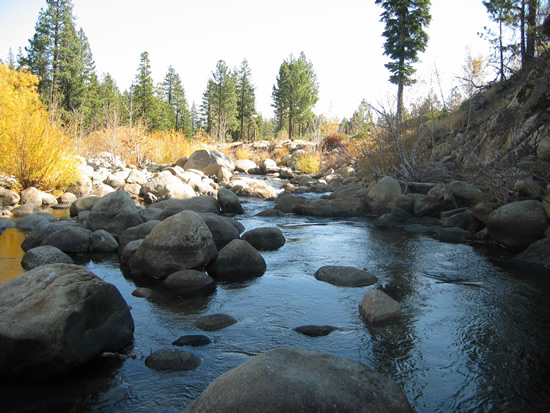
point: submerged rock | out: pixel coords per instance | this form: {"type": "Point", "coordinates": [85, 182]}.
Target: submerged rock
{"type": "Point", "coordinates": [174, 360]}
{"type": "Point", "coordinates": [57, 317]}
{"type": "Point", "coordinates": [345, 276]}
{"type": "Point", "coordinates": [194, 340]}
{"type": "Point", "coordinates": [214, 322]}
{"type": "Point", "coordinates": [315, 331]}
{"type": "Point", "coordinates": [289, 380]}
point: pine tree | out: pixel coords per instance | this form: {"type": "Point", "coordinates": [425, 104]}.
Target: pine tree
{"type": "Point", "coordinates": [246, 100]}
{"type": "Point", "coordinates": [174, 95]}
{"type": "Point", "coordinates": [405, 21]}
{"type": "Point", "coordinates": [220, 103]}
{"type": "Point", "coordinates": [296, 91]}
{"type": "Point", "coordinates": [55, 55]}
{"type": "Point", "coordinates": [143, 92]}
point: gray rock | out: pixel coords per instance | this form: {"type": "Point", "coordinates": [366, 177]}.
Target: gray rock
{"type": "Point", "coordinates": [114, 213]}
{"type": "Point", "coordinates": [345, 276]}
{"type": "Point", "coordinates": [67, 198]}
{"type": "Point", "coordinates": [83, 204]}
{"type": "Point", "coordinates": [150, 214]}
{"type": "Point", "coordinates": [194, 340]}
{"type": "Point", "coordinates": [331, 208]}
{"type": "Point", "coordinates": [289, 380]}
{"type": "Point", "coordinates": [229, 202]}
{"type": "Point", "coordinates": [129, 250]}
{"type": "Point", "coordinates": [173, 360]}
{"type": "Point", "coordinates": [268, 166]}
{"type": "Point", "coordinates": [214, 322]}
{"type": "Point", "coordinates": [204, 204]}
{"type": "Point", "coordinates": [253, 188]}
{"type": "Point", "coordinates": [203, 158]}
{"type": "Point", "coordinates": [180, 242]}
{"type": "Point", "coordinates": [537, 253]}
{"type": "Point", "coordinates": [382, 193]}
{"type": "Point", "coordinates": [29, 222]}
{"type": "Point", "coordinates": [187, 282]}
{"type": "Point", "coordinates": [463, 220]}
{"type": "Point", "coordinates": [134, 233]}
{"type": "Point", "coordinates": [465, 193]}
{"type": "Point", "coordinates": [142, 292]}
{"type": "Point", "coordinates": [265, 238]}
{"type": "Point", "coordinates": [245, 165]}
{"type": "Point", "coordinates": [8, 197]}
{"type": "Point", "coordinates": [236, 261]}
{"type": "Point", "coordinates": [453, 235]}
{"type": "Point", "coordinates": [164, 185]}
{"type": "Point", "coordinates": [25, 210]}
{"type": "Point", "coordinates": [285, 202]}
{"type": "Point", "coordinates": [35, 257]}
{"type": "Point", "coordinates": [56, 318]}
{"type": "Point", "coordinates": [377, 307]}
{"type": "Point", "coordinates": [40, 232]}
{"type": "Point", "coordinates": [315, 331]}
{"type": "Point", "coordinates": [5, 223]}
{"type": "Point", "coordinates": [222, 228]}
{"type": "Point", "coordinates": [70, 239]}
{"type": "Point", "coordinates": [270, 212]}
{"type": "Point", "coordinates": [102, 241]}
{"type": "Point", "coordinates": [518, 224]}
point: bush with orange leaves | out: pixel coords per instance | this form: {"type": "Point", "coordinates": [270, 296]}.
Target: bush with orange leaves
{"type": "Point", "coordinates": [35, 150]}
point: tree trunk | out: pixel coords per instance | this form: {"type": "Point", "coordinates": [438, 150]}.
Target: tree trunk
{"type": "Point", "coordinates": [531, 29]}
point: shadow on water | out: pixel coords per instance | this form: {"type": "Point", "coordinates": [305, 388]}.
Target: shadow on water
{"type": "Point", "coordinates": [474, 334]}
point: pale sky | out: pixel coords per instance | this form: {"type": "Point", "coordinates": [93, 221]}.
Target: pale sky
{"type": "Point", "coordinates": [343, 39]}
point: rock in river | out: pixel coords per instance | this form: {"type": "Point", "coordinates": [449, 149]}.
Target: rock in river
{"type": "Point", "coordinates": [345, 276]}
{"type": "Point", "coordinates": [57, 317]}
{"type": "Point", "coordinates": [289, 380]}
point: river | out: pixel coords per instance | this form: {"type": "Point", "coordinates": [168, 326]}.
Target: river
{"type": "Point", "coordinates": [474, 335]}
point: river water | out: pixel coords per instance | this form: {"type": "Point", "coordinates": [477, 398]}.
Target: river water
{"type": "Point", "coordinates": [474, 335]}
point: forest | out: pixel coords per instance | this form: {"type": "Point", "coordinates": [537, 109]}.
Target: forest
{"type": "Point", "coordinates": [54, 105]}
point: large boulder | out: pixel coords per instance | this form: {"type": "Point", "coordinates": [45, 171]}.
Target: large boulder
{"type": "Point", "coordinates": [114, 213]}
{"type": "Point", "coordinates": [203, 158]}
{"type": "Point", "coordinates": [245, 165]}
{"type": "Point", "coordinates": [465, 193]}
{"type": "Point", "coordinates": [537, 253]}
{"type": "Point", "coordinates": [164, 185]}
{"type": "Point", "coordinates": [103, 241]}
{"type": "Point", "coordinates": [290, 380]}
{"type": "Point", "coordinates": [331, 208]}
{"type": "Point", "coordinates": [382, 193]}
{"type": "Point", "coordinates": [37, 197]}
{"type": "Point", "coordinates": [265, 238]}
{"type": "Point", "coordinates": [42, 230]}
{"type": "Point", "coordinates": [57, 317]}
{"type": "Point", "coordinates": [238, 260]}
{"type": "Point", "coordinates": [186, 282]}
{"type": "Point", "coordinates": [518, 224]}
{"type": "Point", "coordinates": [182, 241]}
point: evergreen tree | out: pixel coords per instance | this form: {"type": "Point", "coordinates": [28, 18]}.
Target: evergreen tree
{"type": "Point", "coordinates": [246, 100]}
{"type": "Point", "coordinates": [195, 120]}
{"type": "Point", "coordinates": [54, 54]}
{"type": "Point", "coordinates": [296, 91]}
{"type": "Point", "coordinates": [143, 92]}
{"type": "Point", "coordinates": [405, 21]}
{"type": "Point", "coordinates": [220, 103]}
{"type": "Point", "coordinates": [361, 120]}
{"type": "Point", "coordinates": [174, 95]}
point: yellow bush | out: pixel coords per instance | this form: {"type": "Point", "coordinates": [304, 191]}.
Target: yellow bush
{"type": "Point", "coordinates": [242, 152]}
{"type": "Point", "coordinates": [34, 149]}
{"type": "Point", "coordinates": [308, 162]}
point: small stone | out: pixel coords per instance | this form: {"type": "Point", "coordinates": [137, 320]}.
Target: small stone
{"type": "Point", "coordinates": [345, 276]}
{"type": "Point", "coordinates": [142, 292]}
{"type": "Point", "coordinates": [315, 331]}
{"type": "Point", "coordinates": [214, 322]}
{"type": "Point", "coordinates": [377, 306]}
{"type": "Point", "coordinates": [175, 360]}
{"type": "Point", "coordinates": [192, 340]}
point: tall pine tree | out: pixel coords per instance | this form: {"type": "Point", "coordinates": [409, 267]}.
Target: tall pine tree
{"type": "Point", "coordinates": [246, 99]}
{"type": "Point", "coordinates": [296, 91]}
{"type": "Point", "coordinates": [405, 35]}
{"type": "Point", "coordinates": [143, 92]}
{"type": "Point", "coordinates": [174, 95]}
{"type": "Point", "coordinates": [55, 54]}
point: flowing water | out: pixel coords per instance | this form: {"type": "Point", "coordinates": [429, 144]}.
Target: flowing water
{"type": "Point", "coordinates": [474, 334]}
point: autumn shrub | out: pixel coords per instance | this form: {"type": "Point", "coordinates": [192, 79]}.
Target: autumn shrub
{"type": "Point", "coordinates": [35, 150]}
{"type": "Point", "coordinates": [278, 152]}
{"type": "Point", "coordinates": [308, 162]}
{"type": "Point", "coordinates": [333, 141]}
{"type": "Point", "coordinates": [242, 152]}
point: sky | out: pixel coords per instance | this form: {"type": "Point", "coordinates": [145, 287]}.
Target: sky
{"type": "Point", "coordinates": [343, 40]}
